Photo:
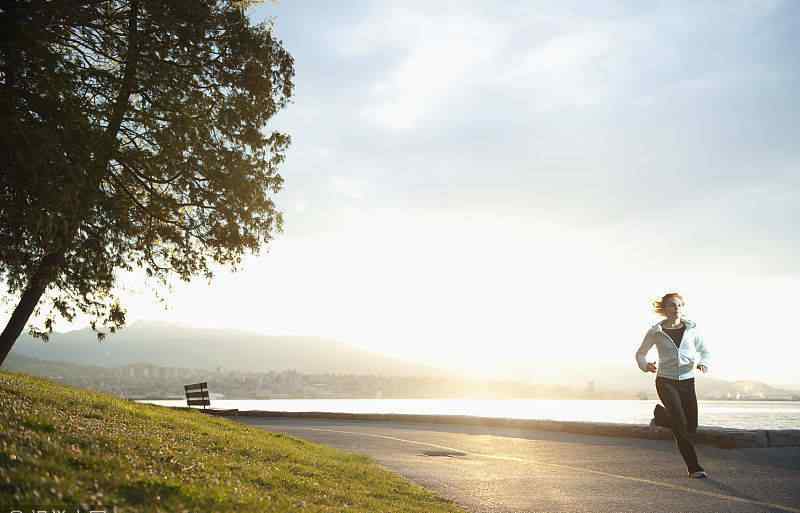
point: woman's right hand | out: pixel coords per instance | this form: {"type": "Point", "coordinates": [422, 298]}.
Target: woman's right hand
{"type": "Point", "coordinates": [651, 367]}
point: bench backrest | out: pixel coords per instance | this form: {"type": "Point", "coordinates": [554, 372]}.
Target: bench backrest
{"type": "Point", "coordinates": [197, 394]}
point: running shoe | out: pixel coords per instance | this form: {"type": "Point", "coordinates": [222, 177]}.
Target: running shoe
{"type": "Point", "coordinates": [700, 474]}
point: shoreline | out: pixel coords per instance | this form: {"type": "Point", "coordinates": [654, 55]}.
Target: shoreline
{"type": "Point", "coordinates": [725, 438]}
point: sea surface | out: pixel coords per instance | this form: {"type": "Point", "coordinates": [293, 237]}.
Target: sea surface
{"type": "Point", "coordinates": [733, 414]}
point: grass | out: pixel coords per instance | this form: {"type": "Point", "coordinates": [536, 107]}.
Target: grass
{"type": "Point", "coordinates": [65, 447]}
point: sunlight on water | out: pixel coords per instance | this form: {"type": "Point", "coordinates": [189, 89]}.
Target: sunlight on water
{"type": "Point", "coordinates": [734, 414]}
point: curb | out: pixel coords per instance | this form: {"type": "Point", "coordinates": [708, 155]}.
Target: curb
{"type": "Point", "coordinates": [725, 438]}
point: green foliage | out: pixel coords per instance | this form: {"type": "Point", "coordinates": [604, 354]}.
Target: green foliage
{"type": "Point", "coordinates": [95, 449]}
{"type": "Point", "coordinates": [134, 137]}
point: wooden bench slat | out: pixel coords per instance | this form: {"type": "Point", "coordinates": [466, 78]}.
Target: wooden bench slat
{"type": "Point", "coordinates": [197, 395]}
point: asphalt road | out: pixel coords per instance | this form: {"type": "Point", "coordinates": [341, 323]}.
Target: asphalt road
{"type": "Point", "coordinates": [504, 470]}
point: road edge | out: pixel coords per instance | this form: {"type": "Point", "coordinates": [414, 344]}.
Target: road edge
{"type": "Point", "coordinates": [726, 438]}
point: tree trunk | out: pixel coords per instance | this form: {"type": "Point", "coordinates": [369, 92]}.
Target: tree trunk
{"type": "Point", "coordinates": [27, 303]}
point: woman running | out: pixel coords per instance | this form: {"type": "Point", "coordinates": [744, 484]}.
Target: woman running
{"type": "Point", "coordinates": [680, 350]}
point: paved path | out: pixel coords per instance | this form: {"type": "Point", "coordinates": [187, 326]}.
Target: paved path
{"type": "Point", "coordinates": [506, 470]}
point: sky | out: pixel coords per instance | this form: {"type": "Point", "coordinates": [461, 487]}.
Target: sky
{"type": "Point", "coordinates": [503, 189]}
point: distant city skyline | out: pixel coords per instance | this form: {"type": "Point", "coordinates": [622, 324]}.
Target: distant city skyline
{"type": "Point", "coordinates": [503, 189]}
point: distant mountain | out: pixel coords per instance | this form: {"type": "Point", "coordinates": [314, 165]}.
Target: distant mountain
{"type": "Point", "coordinates": [16, 362]}
{"type": "Point", "coordinates": [168, 345]}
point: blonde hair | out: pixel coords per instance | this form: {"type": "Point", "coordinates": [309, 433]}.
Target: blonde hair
{"type": "Point", "coordinates": [658, 304]}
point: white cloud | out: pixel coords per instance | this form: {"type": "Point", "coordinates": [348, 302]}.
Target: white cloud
{"type": "Point", "coordinates": [433, 54]}
{"type": "Point", "coordinates": [349, 187]}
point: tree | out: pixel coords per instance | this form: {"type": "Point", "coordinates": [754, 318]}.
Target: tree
{"type": "Point", "coordinates": [133, 137]}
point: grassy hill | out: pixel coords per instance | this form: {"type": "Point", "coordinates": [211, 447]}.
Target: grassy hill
{"type": "Point", "coordinates": [63, 447]}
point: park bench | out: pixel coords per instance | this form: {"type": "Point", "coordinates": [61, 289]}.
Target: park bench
{"type": "Point", "coordinates": [197, 395]}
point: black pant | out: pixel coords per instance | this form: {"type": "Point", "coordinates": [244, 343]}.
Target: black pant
{"type": "Point", "coordinates": [681, 403]}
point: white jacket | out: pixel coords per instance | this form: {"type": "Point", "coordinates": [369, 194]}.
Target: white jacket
{"type": "Point", "coordinates": [674, 362]}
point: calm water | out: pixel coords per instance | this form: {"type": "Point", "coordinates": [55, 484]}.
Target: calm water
{"type": "Point", "coordinates": [734, 414]}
